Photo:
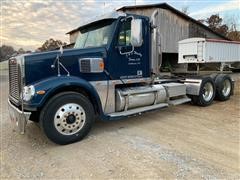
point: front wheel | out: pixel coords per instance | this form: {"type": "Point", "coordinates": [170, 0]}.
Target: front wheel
{"type": "Point", "coordinates": [67, 117]}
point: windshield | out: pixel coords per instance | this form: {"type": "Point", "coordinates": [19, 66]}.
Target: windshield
{"type": "Point", "coordinates": [95, 35]}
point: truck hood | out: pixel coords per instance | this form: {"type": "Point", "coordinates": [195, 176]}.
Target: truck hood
{"type": "Point", "coordinates": [38, 66]}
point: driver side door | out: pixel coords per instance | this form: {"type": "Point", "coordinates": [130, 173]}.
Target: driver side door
{"type": "Point", "coordinates": [126, 61]}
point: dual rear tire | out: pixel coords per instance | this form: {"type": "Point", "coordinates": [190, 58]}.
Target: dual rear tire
{"type": "Point", "coordinates": [220, 89]}
{"type": "Point", "coordinates": [224, 87]}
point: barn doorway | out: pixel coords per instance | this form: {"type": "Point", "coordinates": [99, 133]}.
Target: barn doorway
{"type": "Point", "coordinates": [170, 63]}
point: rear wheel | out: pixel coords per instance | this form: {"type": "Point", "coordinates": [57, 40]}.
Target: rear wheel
{"type": "Point", "coordinates": [206, 93]}
{"type": "Point", "coordinates": [67, 117]}
{"type": "Point", "coordinates": [224, 87]}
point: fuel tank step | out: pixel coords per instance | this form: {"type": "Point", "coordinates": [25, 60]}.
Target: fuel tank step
{"type": "Point", "coordinates": [179, 101]}
{"type": "Point", "coordinates": [138, 110]}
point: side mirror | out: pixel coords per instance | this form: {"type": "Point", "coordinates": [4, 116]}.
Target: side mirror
{"type": "Point", "coordinates": [136, 33]}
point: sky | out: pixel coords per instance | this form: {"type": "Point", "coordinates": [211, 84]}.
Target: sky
{"type": "Point", "coordinates": [28, 23]}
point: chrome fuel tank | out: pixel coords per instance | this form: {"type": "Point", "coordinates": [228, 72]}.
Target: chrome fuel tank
{"type": "Point", "coordinates": [133, 97]}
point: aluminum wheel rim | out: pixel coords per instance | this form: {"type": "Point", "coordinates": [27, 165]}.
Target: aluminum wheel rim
{"type": "Point", "coordinates": [226, 87]}
{"type": "Point", "coordinates": [62, 116]}
{"type": "Point", "coordinates": [208, 91]}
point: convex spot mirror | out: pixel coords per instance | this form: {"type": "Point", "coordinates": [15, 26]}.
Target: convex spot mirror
{"type": "Point", "coordinates": [136, 32]}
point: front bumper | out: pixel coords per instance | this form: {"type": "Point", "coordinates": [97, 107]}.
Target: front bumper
{"type": "Point", "coordinates": [19, 117]}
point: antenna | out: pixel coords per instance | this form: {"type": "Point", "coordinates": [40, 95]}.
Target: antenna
{"type": "Point", "coordinates": [104, 7]}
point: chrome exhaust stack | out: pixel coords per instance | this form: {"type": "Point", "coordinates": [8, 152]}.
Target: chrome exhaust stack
{"type": "Point", "coordinates": [156, 54]}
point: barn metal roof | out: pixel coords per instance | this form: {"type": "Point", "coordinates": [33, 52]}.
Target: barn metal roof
{"type": "Point", "coordinates": [167, 6]}
{"type": "Point", "coordinates": [111, 15]}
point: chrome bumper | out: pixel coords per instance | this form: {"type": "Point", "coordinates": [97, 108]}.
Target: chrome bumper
{"type": "Point", "coordinates": [18, 117]}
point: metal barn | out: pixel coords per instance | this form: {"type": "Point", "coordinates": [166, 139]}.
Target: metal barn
{"type": "Point", "coordinates": [174, 26]}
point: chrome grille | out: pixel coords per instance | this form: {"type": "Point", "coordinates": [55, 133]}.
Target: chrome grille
{"type": "Point", "coordinates": [14, 79]}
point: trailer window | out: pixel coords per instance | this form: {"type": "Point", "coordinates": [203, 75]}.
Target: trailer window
{"type": "Point", "coordinates": [125, 33]}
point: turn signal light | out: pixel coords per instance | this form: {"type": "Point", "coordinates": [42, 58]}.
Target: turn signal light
{"type": "Point", "coordinates": [41, 92]}
{"type": "Point", "coordinates": [101, 65]}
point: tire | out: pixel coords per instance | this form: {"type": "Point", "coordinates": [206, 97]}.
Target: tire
{"type": "Point", "coordinates": [206, 93]}
{"type": "Point", "coordinates": [67, 118]}
{"type": "Point", "coordinates": [224, 87]}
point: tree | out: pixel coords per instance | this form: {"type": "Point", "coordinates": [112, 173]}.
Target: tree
{"type": "Point", "coordinates": [215, 23]}
{"type": "Point", "coordinates": [21, 51]}
{"type": "Point", "coordinates": [50, 45]}
{"type": "Point", "coordinates": [229, 30]}
{"type": "Point", "coordinates": [185, 10]}
{"type": "Point", "coordinates": [6, 52]}
{"type": "Point", "coordinates": [232, 22]}
{"type": "Point", "coordinates": [234, 35]}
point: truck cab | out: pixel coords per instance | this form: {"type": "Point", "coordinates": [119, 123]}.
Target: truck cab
{"type": "Point", "coordinates": [112, 72]}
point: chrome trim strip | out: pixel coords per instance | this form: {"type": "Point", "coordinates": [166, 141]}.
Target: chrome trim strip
{"type": "Point", "coordinates": [22, 84]}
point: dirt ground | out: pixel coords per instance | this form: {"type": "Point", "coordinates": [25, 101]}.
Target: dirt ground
{"type": "Point", "coordinates": [183, 142]}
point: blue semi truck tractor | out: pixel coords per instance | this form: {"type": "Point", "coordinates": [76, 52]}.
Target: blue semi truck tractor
{"type": "Point", "coordinates": [111, 73]}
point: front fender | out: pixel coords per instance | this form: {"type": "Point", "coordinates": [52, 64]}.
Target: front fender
{"type": "Point", "coordinates": [54, 84]}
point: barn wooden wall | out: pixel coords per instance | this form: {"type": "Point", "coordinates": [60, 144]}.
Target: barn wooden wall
{"type": "Point", "coordinates": [172, 30]}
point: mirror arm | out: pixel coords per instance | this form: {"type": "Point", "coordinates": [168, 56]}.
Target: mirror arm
{"type": "Point", "coordinates": [125, 19]}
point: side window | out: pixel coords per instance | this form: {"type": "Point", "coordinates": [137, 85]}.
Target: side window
{"type": "Point", "coordinates": [125, 33]}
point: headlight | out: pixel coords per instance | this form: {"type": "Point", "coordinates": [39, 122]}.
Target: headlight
{"type": "Point", "coordinates": [28, 93]}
